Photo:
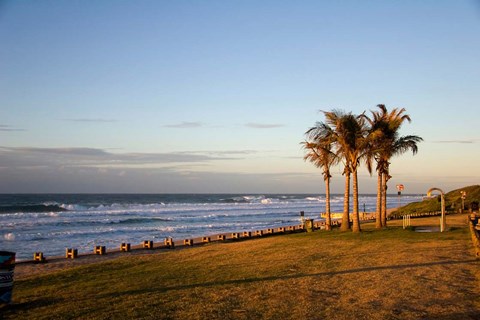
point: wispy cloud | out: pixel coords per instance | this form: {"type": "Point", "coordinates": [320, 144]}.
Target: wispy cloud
{"type": "Point", "coordinates": [6, 128]}
{"type": "Point", "coordinates": [99, 120]}
{"type": "Point", "coordinates": [458, 141]}
{"type": "Point", "coordinates": [223, 152]}
{"type": "Point", "coordinates": [184, 125]}
{"type": "Point", "coordinates": [263, 125]}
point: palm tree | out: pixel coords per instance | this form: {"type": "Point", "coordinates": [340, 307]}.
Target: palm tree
{"type": "Point", "coordinates": [377, 132]}
{"type": "Point", "coordinates": [385, 143]}
{"type": "Point", "coordinates": [349, 135]}
{"type": "Point", "coordinates": [319, 153]}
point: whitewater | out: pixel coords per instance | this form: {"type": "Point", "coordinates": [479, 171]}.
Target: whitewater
{"type": "Point", "coordinates": [51, 223]}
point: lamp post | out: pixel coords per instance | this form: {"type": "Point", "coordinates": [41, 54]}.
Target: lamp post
{"type": "Point", "coordinates": [464, 196]}
{"type": "Point", "coordinates": [443, 220]}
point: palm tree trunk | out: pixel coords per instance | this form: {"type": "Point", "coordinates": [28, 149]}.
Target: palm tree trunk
{"type": "Point", "coordinates": [328, 225]}
{"type": "Point", "coordinates": [356, 218]}
{"type": "Point", "coordinates": [378, 212]}
{"type": "Point", "coordinates": [346, 203]}
{"type": "Point", "coordinates": [384, 199]}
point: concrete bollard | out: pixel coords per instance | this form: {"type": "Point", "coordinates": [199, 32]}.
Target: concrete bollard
{"type": "Point", "coordinates": [71, 253]}
{"type": "Point", "coordinates": [125, 247]}
{"type": "Point", "coordinates": [148, 244]}
{"type": "Point", "coordinates": [188, 242]}
{"type": "Point", "coordinates": [101, 250]}
{"type": "Point", "coordinates": [169, 243]}
{"type": "Point", "coordinates": [206, 239]}
{"type": "Point", "coordinates": [38, 257]}
{"type": "Point", "coordinates": [309, 227]}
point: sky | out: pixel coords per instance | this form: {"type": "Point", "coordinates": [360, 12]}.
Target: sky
{"type": "Point", "coordinates": [215, 96]}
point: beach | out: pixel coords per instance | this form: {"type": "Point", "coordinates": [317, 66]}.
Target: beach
{"type": "Point", "coordinates": [52, 223]}
{"type": "Point", "coordinates": [30, 267]}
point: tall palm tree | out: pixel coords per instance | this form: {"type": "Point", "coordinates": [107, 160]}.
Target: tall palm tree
{"type": "Point", "coordinates": [337, 136]}
{"type": "Point", "coordinates": [349, 136]}
{"type": "Point", "coordinates": [377, 137]}
{"type": "Point", "coordinates": [386, 143]}
{"type": "Point", "coordinates": [319, 152]}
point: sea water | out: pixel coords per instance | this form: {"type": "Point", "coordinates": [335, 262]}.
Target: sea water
{"type": "Point", "coordinates": [52, 222]}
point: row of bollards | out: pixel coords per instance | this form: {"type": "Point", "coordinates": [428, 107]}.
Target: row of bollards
{"type": "Point", "coordinates": [72, 253]}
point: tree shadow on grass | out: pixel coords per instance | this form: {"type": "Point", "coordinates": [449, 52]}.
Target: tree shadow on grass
{"type": "Point", "coordinates": [291, 276]}
{"type": "Point", "coordinates": [29, 305]}
{"type": "Point", "coordinates": [469, 315]}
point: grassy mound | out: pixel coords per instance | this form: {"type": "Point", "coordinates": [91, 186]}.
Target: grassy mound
{"type": "Point", "coordinates": [453, 202]}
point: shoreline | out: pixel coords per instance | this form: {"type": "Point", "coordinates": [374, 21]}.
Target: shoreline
{"type": "Point", "coordinates": [29, 268]}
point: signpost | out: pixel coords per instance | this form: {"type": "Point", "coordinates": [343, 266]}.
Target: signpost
{"type": "Point", "coordinates": [400, 188]}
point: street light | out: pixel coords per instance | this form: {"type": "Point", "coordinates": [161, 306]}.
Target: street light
{"type": "Point", "coordinates": [464, 196]}
{"type": "Point", "coordinates": [443, 220]}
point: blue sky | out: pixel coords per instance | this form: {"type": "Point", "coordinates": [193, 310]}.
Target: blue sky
{"type": "Point", "coordinates": [214, 96]}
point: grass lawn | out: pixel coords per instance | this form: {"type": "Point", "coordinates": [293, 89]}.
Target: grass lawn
{"type": "Point", "coordinates": [378, 274]}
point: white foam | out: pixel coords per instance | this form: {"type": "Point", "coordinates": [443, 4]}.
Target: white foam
{"type": "Point", "coordinates": [9, 236]}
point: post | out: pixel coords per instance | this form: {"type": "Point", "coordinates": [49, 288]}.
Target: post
{"type": "Point", "coordinates": [406, 221]}
{"type": "Point", "coordinates": [400, 188]}
{"type": "Point", "coordinates": [464, 195]}
{"type": "Point", "coordinates": [443, 223]}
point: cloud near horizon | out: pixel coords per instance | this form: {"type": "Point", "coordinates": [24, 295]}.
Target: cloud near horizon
{"type": "Point", "coordinates": [71, 170]}
{"type": "Point", "coordinates": [184, 125]}
{"type": "Point", "coordinates": [458, 141]}
{"type": "Point", "coordinates": [263, 125]}
{"type": "Point", "coordinates": [92, 157]}
{"type": "Point", "coordinates": [7, 128]}
{"type": "Point", "coordinates": [99, 120]}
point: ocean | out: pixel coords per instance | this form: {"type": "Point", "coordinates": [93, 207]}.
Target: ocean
{"type": "Point", "coordinates": [52, 222]}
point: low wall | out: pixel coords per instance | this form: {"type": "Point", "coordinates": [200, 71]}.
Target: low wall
{"type": "Point", "coordinates": [475, 233]}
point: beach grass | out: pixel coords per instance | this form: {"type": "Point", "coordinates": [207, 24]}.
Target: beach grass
{"type": "Point", "coordinates": [378, 274]}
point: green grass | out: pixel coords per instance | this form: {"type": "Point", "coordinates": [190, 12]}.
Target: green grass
{"type": "Point", "coordinates": [378, 274]}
